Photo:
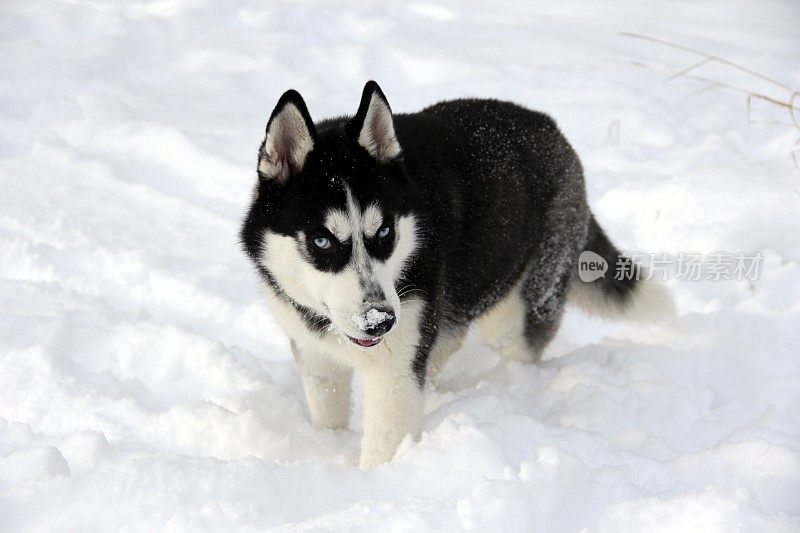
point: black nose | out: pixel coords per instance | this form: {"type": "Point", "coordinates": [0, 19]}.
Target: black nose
{"type": "Point", "coordinates": [378, 322]}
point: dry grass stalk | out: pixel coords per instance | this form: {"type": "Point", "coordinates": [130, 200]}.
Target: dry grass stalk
{"type": "Point", "coordinates": [791, 102]}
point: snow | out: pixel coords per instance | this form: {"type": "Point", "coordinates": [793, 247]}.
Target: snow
{"type": "Point", "coordinates": [144, 385]}
{"type": "Point", "coordinates": [371, 319]}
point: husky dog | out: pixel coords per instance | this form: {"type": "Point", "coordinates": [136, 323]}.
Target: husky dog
{"type": "Point", "coordinates": [381, 238]}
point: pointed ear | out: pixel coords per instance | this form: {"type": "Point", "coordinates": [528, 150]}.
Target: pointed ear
{"type": "Point", "coordinates": [373, 126]}
{"type": "Point", "coordinates": [290, 138]}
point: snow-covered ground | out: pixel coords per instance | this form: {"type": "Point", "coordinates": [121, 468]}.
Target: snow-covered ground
{"type": "Point", "coordinates": [144, 385]}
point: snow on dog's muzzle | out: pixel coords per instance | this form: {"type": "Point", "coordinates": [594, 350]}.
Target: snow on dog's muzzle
{"type": "Point", "coordinates": [373, 324]}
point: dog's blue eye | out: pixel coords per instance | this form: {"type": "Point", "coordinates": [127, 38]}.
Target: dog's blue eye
{"type": "Point", "coordinates": [323, 243]}
{"type": "Point", "coordinates": [384, 231]}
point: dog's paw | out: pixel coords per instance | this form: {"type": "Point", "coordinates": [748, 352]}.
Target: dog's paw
{"type": "Point", "coordinates": [369, 462]}
{"type": "Point", "coordinates": [371, 459]}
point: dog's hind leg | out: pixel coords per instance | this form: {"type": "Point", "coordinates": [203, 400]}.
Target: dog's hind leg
{"type": "Point", "coordinates": [327, 387]}
{"type": "Point", "coordinates": [544, 307]}
{"type": "Point", "coordinates": [503, 327]}
{"type": "Point", "coordinates": [524, 322]}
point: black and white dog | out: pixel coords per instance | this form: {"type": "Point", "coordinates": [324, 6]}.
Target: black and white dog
{"type": "Point", "coordinates": [382, 237]}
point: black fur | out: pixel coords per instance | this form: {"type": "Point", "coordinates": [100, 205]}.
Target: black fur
{"type": "Point", "coordinates": [619, 284]}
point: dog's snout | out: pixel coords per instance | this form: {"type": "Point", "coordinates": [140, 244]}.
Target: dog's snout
{"type": "Point", "coordinates": [378, 321]}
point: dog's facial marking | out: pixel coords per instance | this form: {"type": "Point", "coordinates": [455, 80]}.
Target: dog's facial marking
{"type": "Point", "coordinates": [360, 261]}
{"type": "Point", "coordinates": [345, 224]}
{"type": "Point", "coordinates": [339, 223]}
{"type": "Point", "coordinates": [372, 220]}
{"type": "Point", "coordinates": [327, 225]}
{"type": "Point", "coordinates": [348, 268]}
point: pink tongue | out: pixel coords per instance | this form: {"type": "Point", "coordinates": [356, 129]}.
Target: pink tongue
{"type": "Point", "coordinates": [367, 342]}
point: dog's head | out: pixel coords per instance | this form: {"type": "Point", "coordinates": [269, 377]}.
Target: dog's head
{"type": "Point", "coordinates": [330, 226]}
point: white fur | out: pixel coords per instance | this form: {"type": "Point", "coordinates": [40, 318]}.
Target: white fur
{"type": "Point", "coordinates": [393, 399]}
{"type": "Point", "coordinates": [393, 405]}
{"type": "Point", "coordinates": [503, 326]}
{"type": "Point", "coordinates": [377, 134]}
{"type": "Point", "coordinates": [287, 144]}
{"type": "Point", "coordinates": [650, 301]}
{"type": "Point", "coordinates": [327, 386]}
{"type": "Point", "coordinates": [296, 276]}
{"type": "Point", "coordinates": [339, 223]}
{"type": "Point", "coordinates": [373, 219]}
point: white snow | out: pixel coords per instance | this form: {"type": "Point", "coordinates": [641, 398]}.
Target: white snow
{"type": "Point", "coordinates": [144, 385]}
{"type": "Point", "coordinates": [372, 318]}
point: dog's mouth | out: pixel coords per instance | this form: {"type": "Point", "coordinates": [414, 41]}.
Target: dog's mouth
{"type": "Point", "coordinates": [366, 343]}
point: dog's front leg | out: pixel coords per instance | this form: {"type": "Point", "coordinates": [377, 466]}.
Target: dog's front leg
{"type": "Point", "coordinates": [327, 387]}
{"type": "Point", "coordinates": [393, 403]}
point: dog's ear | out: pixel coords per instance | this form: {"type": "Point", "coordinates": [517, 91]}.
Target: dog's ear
{"type": "Point", "coordinates": [289, 139]}
{"type": "Point", "coordinates": [373, 126]}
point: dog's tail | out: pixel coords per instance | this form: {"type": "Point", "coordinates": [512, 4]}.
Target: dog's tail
{"type": "Point", "coordinates": [623, 292]}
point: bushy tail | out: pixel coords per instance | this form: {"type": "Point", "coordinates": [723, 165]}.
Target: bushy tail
{"type": "Point", "coordinates": [623, 292]}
